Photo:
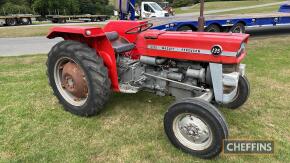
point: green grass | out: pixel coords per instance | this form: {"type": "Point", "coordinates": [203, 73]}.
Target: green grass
{"type": "Point", "coordinates": [35, 128]}
{"type": "Point", "coordinates": [268, 9]}
{"type": "Point", "coordinates": [31, 31]}
{"type": "Point", "coordinates": [227, 5]}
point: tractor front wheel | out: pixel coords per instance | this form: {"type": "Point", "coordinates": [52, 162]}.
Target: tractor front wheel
{"type": "Point", "coordinates": [196, 127]}
{"type": "Point", "coordinates": [243, 94]}
{"type": "Point", "coordinates": [78, 77]}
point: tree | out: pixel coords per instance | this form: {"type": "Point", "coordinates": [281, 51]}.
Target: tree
{"type": "Point", "coordinates": [11, 7]}
{"type": "Point", "coordinates": [104, 9]}
{"type": "Point", "coordinates": [44, 7]}
{"type": "Point", "coordinates": [88, 7]}
{"type": "Point", "coordinates": [41, 7]}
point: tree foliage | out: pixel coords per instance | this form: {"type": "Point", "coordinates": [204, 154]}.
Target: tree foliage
{"type": "Point", "coordinates": [65, 7]}
{"type": "Point", "coordinates": [62, 7]}
{"type": "Point", "coordinates": [14, 6]}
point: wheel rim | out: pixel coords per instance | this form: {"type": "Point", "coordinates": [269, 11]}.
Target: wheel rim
{"type": "Point", "coordinates": [192, 131]}
{"type": "Point", "coordinates": [71, 82]}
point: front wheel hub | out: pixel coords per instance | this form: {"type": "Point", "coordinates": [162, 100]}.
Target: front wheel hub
{"type": "Point", "coordinates": [192, 131]}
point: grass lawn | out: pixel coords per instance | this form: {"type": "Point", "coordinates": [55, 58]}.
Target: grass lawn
{"type": "Point", "coordinates": [227, 5]}
{"type": "Point", "coordinates": [35, 128]}
{"type": "Point", "coordinates": [268, 9]}
{"type": "Point", "coordinates": [30, 31]}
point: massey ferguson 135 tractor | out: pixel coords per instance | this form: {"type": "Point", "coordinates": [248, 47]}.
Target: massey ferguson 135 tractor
{"type": "Point", "coordinates": [202, 70]}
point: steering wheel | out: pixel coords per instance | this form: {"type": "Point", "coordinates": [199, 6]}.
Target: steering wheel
{"type": "Point", "coordinates": [139, 28]}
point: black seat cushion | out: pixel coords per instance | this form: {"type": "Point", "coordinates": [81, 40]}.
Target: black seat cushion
{"type": "Point", "coordinates": [112, 36]}
{"type": "Point", "coordinates": [119, 44]}
{"type": "Point", "coordinates": [124, 47]}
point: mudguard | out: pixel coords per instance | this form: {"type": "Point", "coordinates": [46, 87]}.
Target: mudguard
{"type": "Point", "coordinates": [95, 38]}
{"type": "Point", "coordinates": [86, 32]}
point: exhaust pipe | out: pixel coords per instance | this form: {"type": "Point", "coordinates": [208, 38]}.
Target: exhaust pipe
{"type": "Point", "coordinates": [152, 60]}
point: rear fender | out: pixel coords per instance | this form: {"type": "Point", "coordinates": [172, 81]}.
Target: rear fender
{"type": "Point", "coordinates": [95, 38]}
{"type": "Point", "coordinates": [104, 49]}
{"type": "Point", "coordinates": [81, 31]}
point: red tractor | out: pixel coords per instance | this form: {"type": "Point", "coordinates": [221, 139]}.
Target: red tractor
{"type": "Point", "coordinates": [202, 70]}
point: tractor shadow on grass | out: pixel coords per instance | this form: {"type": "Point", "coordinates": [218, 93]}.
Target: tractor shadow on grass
{"type": "Point", "coordinates": [139, 101]}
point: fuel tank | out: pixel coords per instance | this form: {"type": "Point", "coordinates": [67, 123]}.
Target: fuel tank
{"type": "Point", "coordinates": [226, 48]}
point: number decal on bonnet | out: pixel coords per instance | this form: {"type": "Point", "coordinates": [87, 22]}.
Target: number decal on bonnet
{"type": "Point", "coordinates": [216, 50]}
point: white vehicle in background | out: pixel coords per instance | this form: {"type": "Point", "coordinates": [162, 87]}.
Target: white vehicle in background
{"type": "Point", "coordinates": [145, 10]}
{"type": "Point", "coordinates": [151, 10]}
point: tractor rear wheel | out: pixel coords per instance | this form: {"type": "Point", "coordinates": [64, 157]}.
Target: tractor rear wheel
{"type": "Point", "coordinates": [78, 77]}
{"type": "Point", "coordinates": [243, 94]}
{"type": "Point", "coordinates": [196, 127]}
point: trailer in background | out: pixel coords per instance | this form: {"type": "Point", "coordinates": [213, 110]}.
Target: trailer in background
{"type": "Point", "coordinates": [85, 18]}
{"type": "Point", "coordinates": [227, 23]}
{"type": "Point", "coordinates": [18, 19]}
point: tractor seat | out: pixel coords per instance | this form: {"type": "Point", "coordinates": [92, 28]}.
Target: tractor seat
{"type": "Point", "coordinates": [120, 45]}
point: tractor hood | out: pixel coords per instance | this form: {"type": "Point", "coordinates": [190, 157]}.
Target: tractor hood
{"type": "Point", "coordinates": [225, 48]}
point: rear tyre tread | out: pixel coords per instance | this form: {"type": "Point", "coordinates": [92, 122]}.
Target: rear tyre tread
{"type": "Point", "coordinates": [97, 76]}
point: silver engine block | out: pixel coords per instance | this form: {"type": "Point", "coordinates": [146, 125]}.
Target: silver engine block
{"type": "Point", "coordinates": [177, 78]}
{"type": "Point", "coordinates": [181, 79]}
